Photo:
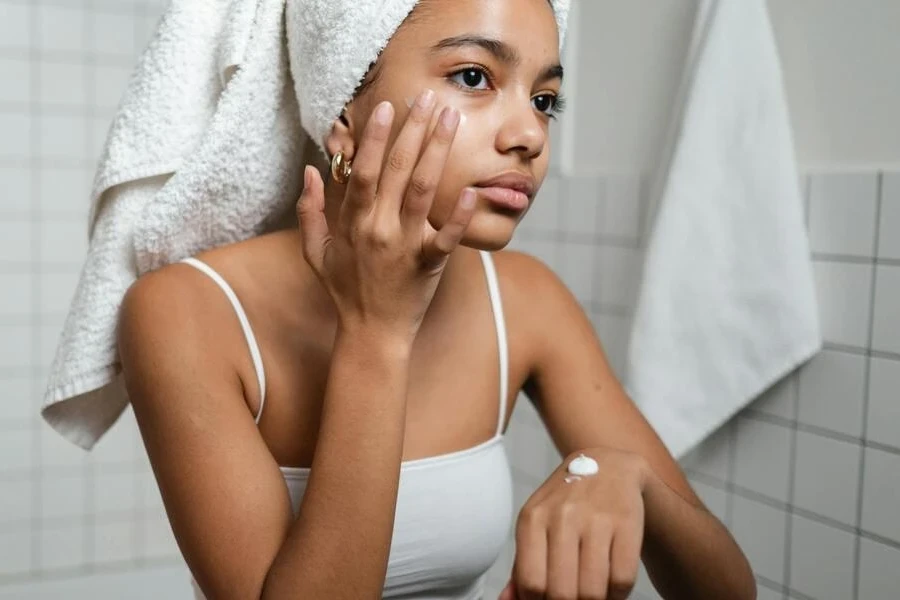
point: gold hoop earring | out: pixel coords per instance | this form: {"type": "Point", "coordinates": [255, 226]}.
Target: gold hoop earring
{"type": "Point", "coordinates": [340, 168]}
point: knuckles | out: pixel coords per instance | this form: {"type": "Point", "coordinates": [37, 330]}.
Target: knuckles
{"type": "Point", "coordinates": [399, 160]}
{"type": "Point", "coordinates": [421, 186]}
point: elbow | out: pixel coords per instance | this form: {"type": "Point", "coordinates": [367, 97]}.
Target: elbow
{"type": "Point", "coordinates": [746, 583]}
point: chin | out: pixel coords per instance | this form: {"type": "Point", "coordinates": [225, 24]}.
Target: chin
{"type": "Point", "coordinates": [490, 231]}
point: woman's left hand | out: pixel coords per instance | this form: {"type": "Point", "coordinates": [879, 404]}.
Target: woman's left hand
{"type": "Point", "coordinates": [582, 540]}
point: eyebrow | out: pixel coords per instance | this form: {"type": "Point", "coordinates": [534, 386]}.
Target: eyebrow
{"type": "Point", "coordinates": [502, 51]}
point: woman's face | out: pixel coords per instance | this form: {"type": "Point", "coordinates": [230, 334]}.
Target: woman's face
{"type": "Point", "coordinates": [497, 61]}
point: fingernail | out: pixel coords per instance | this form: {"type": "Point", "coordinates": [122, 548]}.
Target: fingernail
{"type": "Point", "coordinates": [425, 99]}
{"type": "Point", "coordinates": [450, 117]}
{"type": "Point", "coordinates": [306, 176]}
{"type": "Point", "coordinates": [383, 113]}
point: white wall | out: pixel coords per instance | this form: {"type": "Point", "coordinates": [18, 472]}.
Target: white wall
{"type": "Point", "coordinates": [841, 74]}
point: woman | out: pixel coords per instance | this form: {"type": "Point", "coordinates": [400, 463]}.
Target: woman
{"type": "Point", "coordinates": [361, 370]}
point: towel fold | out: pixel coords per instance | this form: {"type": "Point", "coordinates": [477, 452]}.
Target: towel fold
{"type": "Point", "coordinates": [228, 102]}
{"type": "Point", "coordinates": [727, 301]}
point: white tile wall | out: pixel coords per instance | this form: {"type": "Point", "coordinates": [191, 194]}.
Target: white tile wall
{"type": "Point", "coordinates": [760, 464]}
{"type": "Point", "coordinates": [883, 424]}
{"type": "Point", "coordinates": [63, 64]}
{"type": "Point", "coordinates": [15, 552]}
{"type": "Point", "coordinates": [821, 560]}
{"type": "Point", "coordinates": [888, 240]}
{"type": "Point", "coordinates": [779, 400]}
{"type": "Point", "coordinates": [830, 492]}
{"type": "Point", "coordinates": [842, 214]}
{"type": "Point", "coordinates": [16, 502]}
{"type": "Point", "coordinates": [760, 529]}
{"type": "Point", "coordinates": [15, 191]}
{"type": "Point", "coordinates": [886, 334]}
{"type": "Point", "coordinates": [825, 384]}
{"type": "Point", "coordinates": [844, 307]}
{"type": "Point", "coordinates": [15, 26]}
{"type": "Point", "coordinates": [879, 576]}
{"type": "Point", "coordinates": [62, 546]}
{"type": "Point", "coordinates": [881, 494]}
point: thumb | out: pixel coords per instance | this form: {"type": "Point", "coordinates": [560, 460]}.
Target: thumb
{"type": "Point", "coordinates": [311, 218]}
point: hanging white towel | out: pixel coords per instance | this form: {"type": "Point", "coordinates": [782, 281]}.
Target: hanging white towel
{"type": "Point", "coordinates": [229, 101]}
{"type": "Point", "coordinates": [727, 301]}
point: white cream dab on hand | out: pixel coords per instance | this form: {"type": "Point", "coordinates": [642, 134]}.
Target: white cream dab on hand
{"type": "Point", "coordinates": [583, 465]}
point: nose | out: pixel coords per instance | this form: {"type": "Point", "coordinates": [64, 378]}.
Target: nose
{"type": "Point", "coordinates": [521, 128]}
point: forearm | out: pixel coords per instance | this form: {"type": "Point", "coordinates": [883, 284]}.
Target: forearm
{"type": "Point", "coordinates": [339, 545]}
{"type": "Point", "coordinates": [688, 552]}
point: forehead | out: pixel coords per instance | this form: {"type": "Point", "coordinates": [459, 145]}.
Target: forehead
{"type": "Point", "coordinates": [527, 25]}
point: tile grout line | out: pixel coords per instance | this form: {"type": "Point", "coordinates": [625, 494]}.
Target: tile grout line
{"type": "Point", "coordinates": [792, 473]}
{"type": "Point", "coordinates": [749, 494]}
{"type": "Point", "coordinates": [757, 415]}
{"type": "Point", "coordinates": [860, 489]}
{"type": "Point", "coordinates": [794, 434]}
{"type": "Point", "coordinates": [62, 573]}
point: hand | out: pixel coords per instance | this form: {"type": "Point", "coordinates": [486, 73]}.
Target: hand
{"type": "Point", "coordinates": [582, 540]}
{"type": "Point", "coordinates": [382, 260]}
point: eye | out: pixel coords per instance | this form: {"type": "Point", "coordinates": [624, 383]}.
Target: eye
{"type": "Point", "coordinates": [549, 104]}
{"type": "Point", "coordinates": [471, 77]}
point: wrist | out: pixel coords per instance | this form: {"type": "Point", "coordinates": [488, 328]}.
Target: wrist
{"type": "Point", "coordinates": [375, 340]}
{"type": "Point", "coordinates": [631, 465]}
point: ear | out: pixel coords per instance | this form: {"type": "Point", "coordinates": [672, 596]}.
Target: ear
{"type": "Point", "coordinates": [341, 137]}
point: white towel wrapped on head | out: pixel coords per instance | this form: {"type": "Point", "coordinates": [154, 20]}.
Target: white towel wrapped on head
{"type": "Point", "coordinates": [228, 102]}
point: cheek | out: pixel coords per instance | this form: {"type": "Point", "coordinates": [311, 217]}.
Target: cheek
{"type": "Point", "coordinates": [460, 169]}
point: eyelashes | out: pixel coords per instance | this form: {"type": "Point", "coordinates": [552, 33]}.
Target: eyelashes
{"type": "Point", "coordinates": [559, 107]}
{"type": "Point", "coordinates": [462, 79]}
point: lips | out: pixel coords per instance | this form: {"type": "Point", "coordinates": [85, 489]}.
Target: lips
{"type": "Point", "coordinates": [515, 181]}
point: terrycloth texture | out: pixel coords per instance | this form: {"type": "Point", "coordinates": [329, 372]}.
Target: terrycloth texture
{"type": "Point", "coordinates": [207, 149]}
{"type": "Point", "coordinates": [727, 304]}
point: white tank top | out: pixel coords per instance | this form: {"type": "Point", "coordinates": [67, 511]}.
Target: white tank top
{"type": "Point", "coordinates": [454, 511]}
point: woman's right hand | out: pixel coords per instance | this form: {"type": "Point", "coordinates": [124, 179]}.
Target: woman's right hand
{"type": "Point", "coordinates": [382, 260]}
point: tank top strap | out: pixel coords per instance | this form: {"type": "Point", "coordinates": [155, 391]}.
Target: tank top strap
{"type": "Point", "coordinates": [493, 284]}
{"type": "Point", "coordinates": [245, 327]}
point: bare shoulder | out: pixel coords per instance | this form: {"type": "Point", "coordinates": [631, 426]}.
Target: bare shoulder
{"type": "Point", "coordinates": [165, 303]}
{"type": "Point", "coordinates": [172, 321]}
{"type": "Point", "coordinates": [530, 287]}
{"type": "Point", "coordinates": [538, 304]}
{"type": "Point", "coordinates": [178, 300]}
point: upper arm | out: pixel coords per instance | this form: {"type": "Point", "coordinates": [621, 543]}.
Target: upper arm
{"type": "Point", "coordinates": [577, 394]}
{"type": "Point", "coordinates": [222, 490]}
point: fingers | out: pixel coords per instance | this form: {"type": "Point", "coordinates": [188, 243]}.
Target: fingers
{"type": "Point", "coordinates": [363, 184]}
{"type": "Point", "coordinates": [424, 183]}
{"type": "Point", "coordinates": [403, 156]}
{"type": "Point", "coordinates": [593, 562]}
{"type": "Point", "coordinates": [441, 243]}
{"type": "Point", "coordinates": [311, 218]}
{"type": "Point", "coordinates": [624, 561]}
{"type": "Point", "coordinates": [530, 570]}
{"type": "Point", "coordinates": [562, 556]}
{"type": "Point", "coordinates": [508, 593]}
{"type": "Point", "coordinates": [562, 559]}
